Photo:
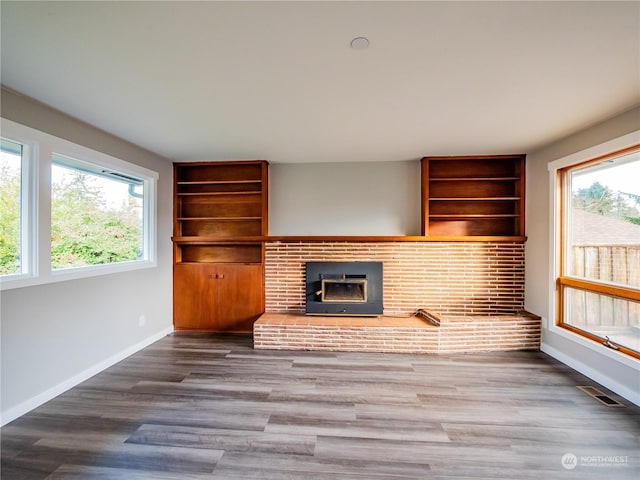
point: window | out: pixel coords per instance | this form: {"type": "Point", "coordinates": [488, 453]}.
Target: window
{"type": "Point", "coordinates": [11, 203]}
{"type": "Point", "coordinates": [96, 215]}
{"type": "Point", "coordinates": [70, 212]}
{"type": "Point", "coordinates": [599, 269]}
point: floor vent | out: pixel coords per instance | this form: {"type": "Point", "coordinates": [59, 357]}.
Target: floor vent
{"type": "Point", "coordinates": [600, 396]}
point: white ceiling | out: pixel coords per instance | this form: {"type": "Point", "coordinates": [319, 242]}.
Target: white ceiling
{"type": "Point", "coordinates": [279, 81]}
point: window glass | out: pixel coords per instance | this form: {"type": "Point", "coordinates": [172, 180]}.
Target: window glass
{"type": "Point", "coordinates": [10, 207]}
{"type": "Point", "coordinates": [96, 215]}
{"type": "Point", "coordinates": [604, 228]}
{"type": "Point", "coordinates": [604, 316]}
{"type": "Point", "coordinates": [600, 274]}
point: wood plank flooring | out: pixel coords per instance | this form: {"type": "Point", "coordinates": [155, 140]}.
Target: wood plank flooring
{"type": "Point", "coordinates": [204, 406]}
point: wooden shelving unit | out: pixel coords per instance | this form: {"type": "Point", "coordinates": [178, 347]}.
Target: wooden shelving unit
{"type": "Point", "coordinates": [220, 224]}
{"type": "Point", "coordinates": [473, 196]}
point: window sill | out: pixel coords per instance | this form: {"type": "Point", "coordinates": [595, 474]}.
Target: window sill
{"type": "Point", "coordinates": [21, 281]}
{"type": "Point", "coordinates": [596, 347]}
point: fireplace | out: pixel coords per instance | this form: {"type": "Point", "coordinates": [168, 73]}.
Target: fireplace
{"type": "Point", "coordinates": [344, 288]}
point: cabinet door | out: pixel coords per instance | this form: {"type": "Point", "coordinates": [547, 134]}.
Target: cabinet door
{"type": "Point", "coordinates": [194, 290]}
{"type": "Point", "coordinates": [240, 296]}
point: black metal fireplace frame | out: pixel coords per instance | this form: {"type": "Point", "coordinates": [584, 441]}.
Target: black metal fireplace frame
{"type": "Point", "coordinates": [370, 271]}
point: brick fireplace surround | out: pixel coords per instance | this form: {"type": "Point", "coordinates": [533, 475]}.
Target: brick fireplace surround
{"type": "Point", "coordinates": [476, 289]}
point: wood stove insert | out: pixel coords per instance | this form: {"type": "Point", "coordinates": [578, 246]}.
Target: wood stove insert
{"type": "Point", "coordinates": [344, 288]}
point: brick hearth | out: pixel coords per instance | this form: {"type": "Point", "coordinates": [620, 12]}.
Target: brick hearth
{"type": "Point", "coordinates": [397, 335]}
{"type": "Point", "coordinates": [476, 288]}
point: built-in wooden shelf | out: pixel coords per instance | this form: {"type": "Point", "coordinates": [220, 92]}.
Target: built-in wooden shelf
{"type": "Point", "coordinates": [217, 240]}
{"type": "Point", "coordinates": [204, 194]}
{"type": "Point", "coordinates": [473, 179]}
{"type": "Point", "coordinates": [220, 226]}
{"type": "Point", "coordinates": [473, 196]}
{"type": "Point", "coordinates": [343, 238]}
{"type": "Point", "coordinates": [218, 182]}
{"type": "Point", "coordinates": [221, 219]}
{"type": "Point", "coordinates": [416, 238]}
{"type": "Point", "coordinates": [474, 215]}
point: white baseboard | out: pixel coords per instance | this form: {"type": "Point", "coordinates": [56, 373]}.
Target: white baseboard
{"type": "Point", "coordinates": [622, 390]}
{"type": "Point", "coordinates": [28, 405]}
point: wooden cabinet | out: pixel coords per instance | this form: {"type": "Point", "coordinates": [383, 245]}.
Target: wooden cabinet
{"type": "Point", "coordinates": [220, 224]}
{"type": "Point", "coordinates": [217, 297]}
{"type": "Point", "coordinates": [473, 196]}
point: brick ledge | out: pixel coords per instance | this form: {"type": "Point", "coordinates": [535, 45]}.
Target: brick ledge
{"type": "Point", "coordinates": [500, 332]}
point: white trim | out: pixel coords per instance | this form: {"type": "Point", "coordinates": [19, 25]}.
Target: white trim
{"type": "Point", "coordinates": [150, 220]}
{"type": "Point", "coordinates": [10, 282]}
{"type": "Point", "coordinates": [596, 347]}
{"type": "Point", "coordinates": [608, 382]}
{"type": "Point", "coordinates": [29, 211]}
{"type": "Point", "coordinates": [37, 249]}
{"type": "Point", "coordinates": [34, 402]}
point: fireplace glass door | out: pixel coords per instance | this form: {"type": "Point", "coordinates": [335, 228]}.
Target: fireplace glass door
{"type": "Point", "coordinates": [344, 288]}
{"type": "Point", "coordinates": [348, 290]}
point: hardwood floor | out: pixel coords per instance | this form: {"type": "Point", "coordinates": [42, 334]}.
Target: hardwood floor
{"type": "Point", "coordinates": [202, 406]}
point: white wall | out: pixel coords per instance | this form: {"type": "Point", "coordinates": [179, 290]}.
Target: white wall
{"type": "Point", "coordinates": [371, 198]}
{"type": "Point", "coordinates": [608, 368]}
{"type": "Point", "coordinates": [55, 335]}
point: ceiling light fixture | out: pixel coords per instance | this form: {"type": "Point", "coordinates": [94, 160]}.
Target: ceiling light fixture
{"type": "Point", "coordinates": [359, 43]}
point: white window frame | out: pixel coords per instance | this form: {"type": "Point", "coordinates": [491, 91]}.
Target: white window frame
{"type": "Point", "coordinates": [36, 208]}
{"type": "Point", "coordinates": [28, 210]}
{"type": "Point", "coordinates": [556, 199]}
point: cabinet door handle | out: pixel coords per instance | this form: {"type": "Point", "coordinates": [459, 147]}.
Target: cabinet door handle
{"type": "Point", "coordinates": [221, 275]}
